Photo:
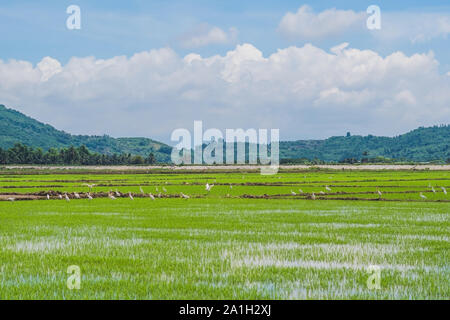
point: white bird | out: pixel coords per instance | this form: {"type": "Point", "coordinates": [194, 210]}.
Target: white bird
{"type": "Point", "coordinates": [231, 187]}
{"type": "Point", "coordinates": [422, 196]}
{"type": "Point", "coordinates": [66, 197]}
{"type": "Point", "coordinates": [151, 196]}
{"type": "Point", "coordinates": [432, 189]}
{"type": "Point", "coordinates": [11, 199]}
{"type": "Point", "coordinates": [321, 192]}
{"type": "Point", "coordinates": [60, 196]}
{"type": "Point", "coordinates": [140, 189]}
{"type": "Point", "coordinates": [184, 195]}
{"type": "Point", "coordinates": [89, 196]}
{"type": "Point", "coordinates": [313, 196]}
{"type": "Point", "coordinates": [379, 192]}
{"type": "Point", "coordinates": [293, 193]}
{"type": "Point", "coordinates": [117, 193]}
{"type": "Point", "coordinates": [76, 195]}
{"type": "Point", "coordinates": [327, 188]}
{"type": "Point", "coordinates": [129, 195]}
{"type": "Point", "coordinates": [164, 189]}
{"type": "Point", "coordinates": [111, 196]}
{"type": "Point", "coordinates": [90, 186]}
{"type": "Point", "coordinates": [208, 187]}
{"type": "Point", "coordinates": [444, 190]}
{"type": "Point", "coordinates": [159, 195]}
{"type": "Point", "coordinates": [48, 197]}
{"type": "Point", "coordinates": [300, 190]}
{"type": "Point", "coordinates": [157, 189]}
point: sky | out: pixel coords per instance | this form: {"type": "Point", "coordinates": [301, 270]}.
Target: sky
{"type": "Point", "coordinates": [145, 68]}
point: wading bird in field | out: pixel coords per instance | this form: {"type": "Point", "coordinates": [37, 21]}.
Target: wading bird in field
{"type": "Point", "coordinates": [76, 195]}
{"type": "Point", "coordinates": [90, 186]}
{"type": "Point", "coordinates": [444, 190]}
{"type": "Point", "coordinates": [321, 192]}
{"type": "Point", "coordinates": [432, 189]}
{"type": "Point", "coordinates": [231, 187]}
{"type": "Point", "coordinates": [60, 197]}
{"type": "Point", "coordinates": [130, 196]}
{"type": "Point", "coordinates": [66, 197]}
{"type": "Point", "coordinates": [48, 197]}
{"type": "Point", "coordinates": [151, 196]}
{"type": "Point", "coordinates": [159, 195]}
{"type": "Point", "coordinates": [313, 196]}
{"type": "Point", "coordinates": [164, 189]}
{"type": "Point", "coordinates": [89, 196]}
{"type": "Point", "coordinates": [157, 189]}
{"type": "Point", "coordinates": [184, 195]}
{"type": "Point", "coordinates": [327, 188]}
{"type": "Point", "coordinates": [379, 192]}
{"type": "Point", "coordinates": [300, 190]}
{"type": "Point", "coordinates": [422, 196]}
{"type": "Point", "coordinates": [11, 199]}
{"type": "Point", "coordinates": [117, 193]}
{"type": "Point", "coordinates": [111, 196]}
{"type": "Point", "coordinates": [140, 189]}
{"type": "Point", "coordinates": [293, 193]}
{"type": "Point", "coordinates": [208, 187]}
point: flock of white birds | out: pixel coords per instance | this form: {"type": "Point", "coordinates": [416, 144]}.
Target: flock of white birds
{"type": "Point", "coordinates": [114, 195]}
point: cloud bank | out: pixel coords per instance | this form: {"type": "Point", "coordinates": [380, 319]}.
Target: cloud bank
{"type": "Point", "coordinates": [306, 92]}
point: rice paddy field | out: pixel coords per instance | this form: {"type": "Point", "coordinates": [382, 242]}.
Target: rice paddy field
{"type": "Point", "coordinates": [299, 234]}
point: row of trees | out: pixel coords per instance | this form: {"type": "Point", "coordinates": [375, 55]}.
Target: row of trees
{"type": "Point", "coordinates": [22, 154]}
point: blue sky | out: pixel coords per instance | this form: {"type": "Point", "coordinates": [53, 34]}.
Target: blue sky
{"type": "Point", "coordinates": [130, 57]}
{"type": "Point", "coordinates": [31, 30]}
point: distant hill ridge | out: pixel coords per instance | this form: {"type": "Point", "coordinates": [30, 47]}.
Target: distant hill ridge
{"type": "Point", "coordinates": [422, 144]}
{"type": "Point", "coordinates": [16, 127]}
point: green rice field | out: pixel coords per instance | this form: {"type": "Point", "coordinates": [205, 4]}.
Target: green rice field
{"type": "Point", "coordinates": [299, 234]}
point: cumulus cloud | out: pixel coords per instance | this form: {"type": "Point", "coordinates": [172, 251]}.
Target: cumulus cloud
{"type": "Point", "coordinates": [306, 24]}
{"type": "Point", "coordinates": [204, 35]}
{"type": "Point", "coordinates": [306, 92]}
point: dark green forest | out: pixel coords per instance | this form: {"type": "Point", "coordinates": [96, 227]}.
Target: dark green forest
{"type": "Point", "coordinates": [22, 154]}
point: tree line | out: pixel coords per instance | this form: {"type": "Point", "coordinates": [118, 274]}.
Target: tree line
{"type": "Point", "coordinates": [22, 154]}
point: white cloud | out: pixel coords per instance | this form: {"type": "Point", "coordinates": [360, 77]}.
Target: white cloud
{"type": "Point", "coordinates": [204, 35]}
{"type": "Point", "coordinates": [305, 91]}
{"type": "Point", "coordinates": [412, 27]}
{"type": "Point", "coordinates": [306, 24]}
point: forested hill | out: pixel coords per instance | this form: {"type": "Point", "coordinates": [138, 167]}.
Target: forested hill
{"type": "Point", "coordinates": [16, 127]}
{"type": "Point", "coordinates": [422, 144]}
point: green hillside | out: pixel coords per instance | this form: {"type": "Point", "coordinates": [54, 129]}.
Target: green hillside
{"type": "Point", "coordinates": [16, 127]}
{"type": "Point", "coordinates": [422, 144]}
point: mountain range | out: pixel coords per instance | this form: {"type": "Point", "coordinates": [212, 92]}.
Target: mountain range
{"type": "Point", "coordinates": [421, 144]}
